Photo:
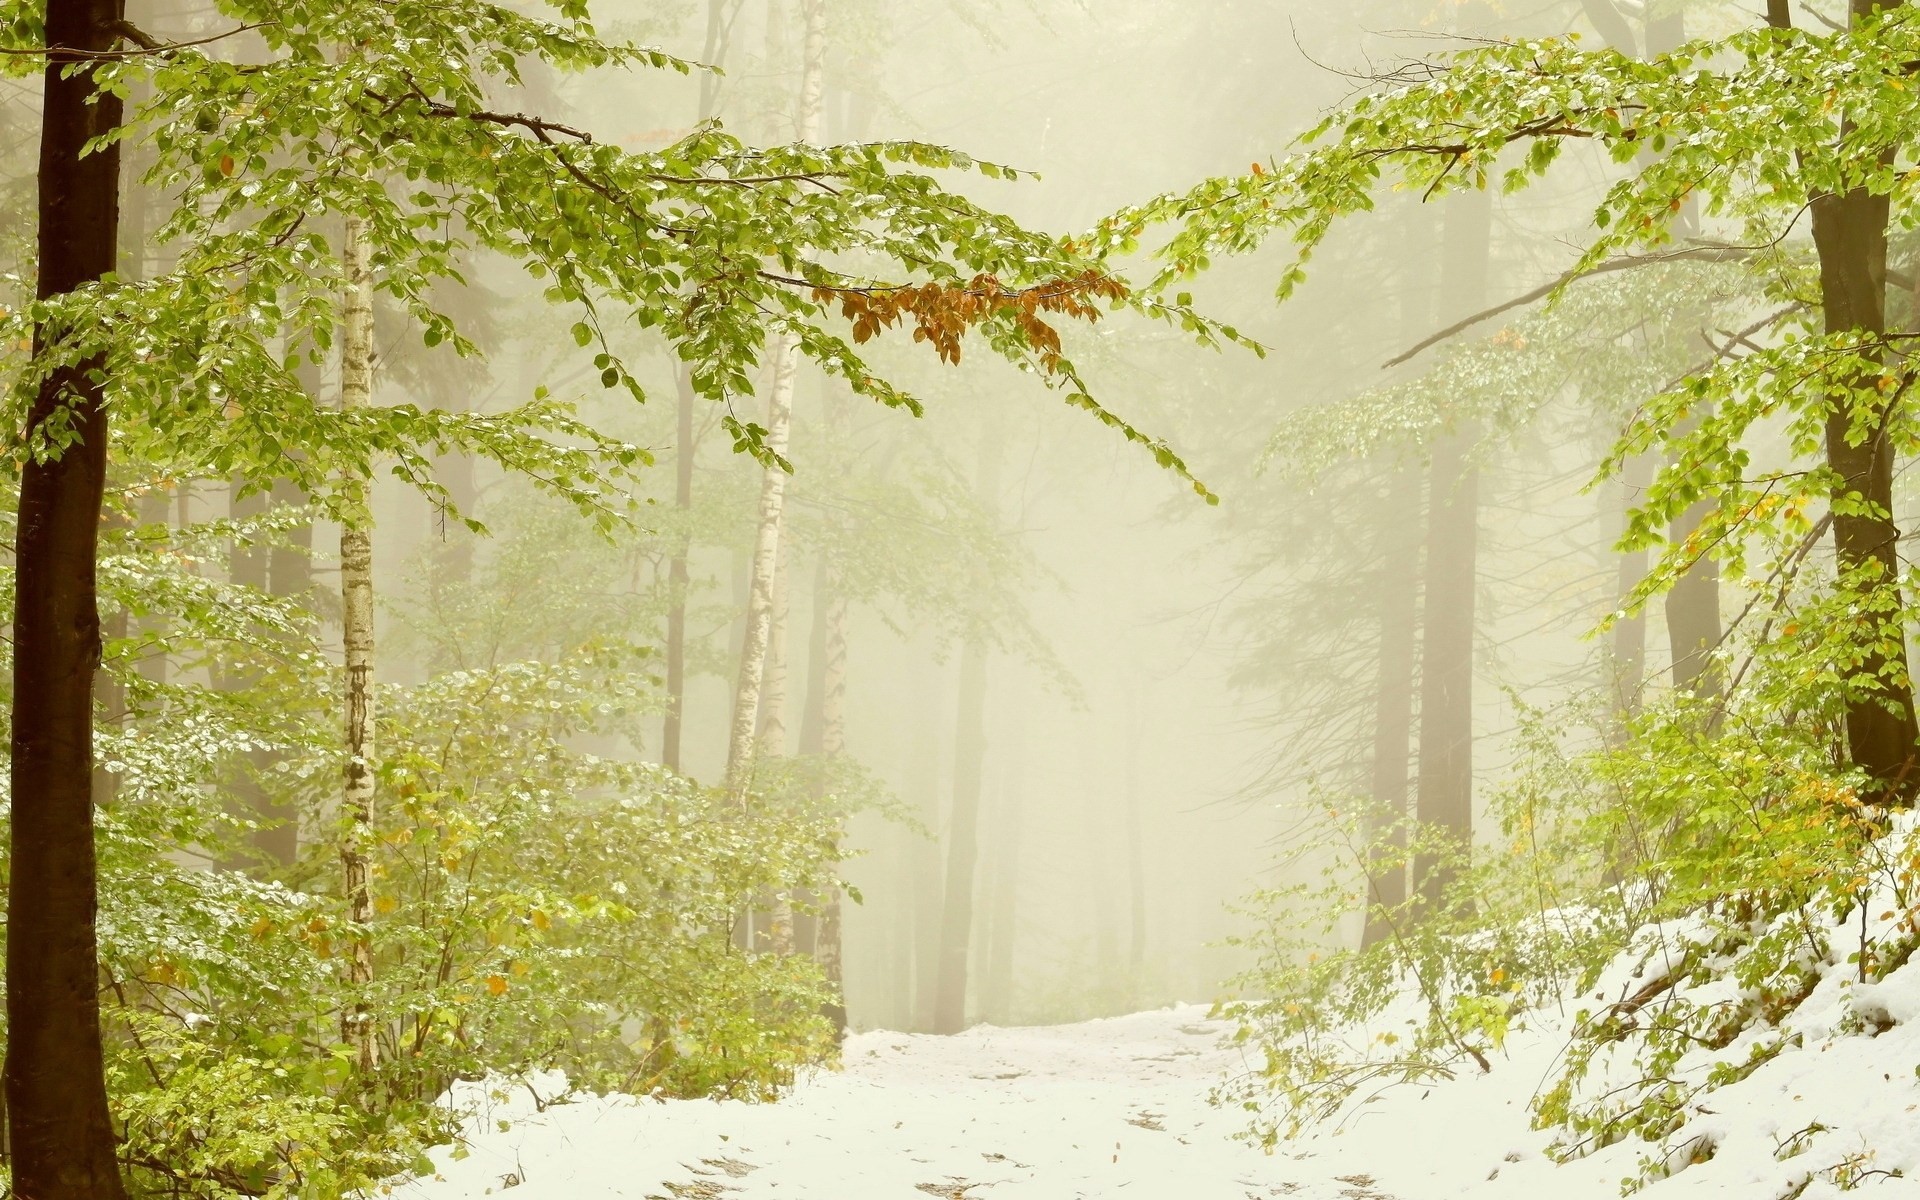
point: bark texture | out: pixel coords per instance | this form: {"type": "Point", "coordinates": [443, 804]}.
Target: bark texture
{"type": "Point", "coordinates": [1850, 235]}
{"type": "Point", "coordinates": [773, 486]}
{"type": "Point", "coordinates": [59, 1133]}
{"type": "Point", "coordinates": [356, 607]}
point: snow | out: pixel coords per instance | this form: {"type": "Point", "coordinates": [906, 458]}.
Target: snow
{"type": "Point", "coordinates": [1119, 1108]}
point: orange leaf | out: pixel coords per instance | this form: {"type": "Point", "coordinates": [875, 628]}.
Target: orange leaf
{"type": "Point", "coordinates": [497, 985]}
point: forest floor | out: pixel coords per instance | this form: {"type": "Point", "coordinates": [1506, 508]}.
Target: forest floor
{"type": "Point", "coordinates": [1110, 1108]}
{"type": "Point", "coordinates": [1118, 1110]}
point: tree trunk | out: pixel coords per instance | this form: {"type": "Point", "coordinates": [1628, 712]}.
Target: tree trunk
{"type": "Point", "coordinates": [59, 1132]}
{"type": "Point", "coordinates": [1850, 235]}
{"type": "Point", "coordinates": [248, 567]}
{"type": "Point", "coordinates": [1444, 798]}
{"type": "Point", "coordinates": [963, 825]}
{"type": "Point", "coordinates": [963, 844]}
{"type": "Point", "coordinates": [773, 487]}
{"type": "Point", "coordinates": [1627, 647]}
{"type": "Point", "coordinates": [1398, 594]}
{"type": "Point", "coordinates": [289, 576]}
{"type": "Point", "coordinates": [924, 870]}
{"type": "Point", "coordinates": [684, 450]}
{"type": "Point", "coordinates": [773, 737]}
{"type": "Point", "coordinates": [678, 581]}
{"type": "Point", "coordinates": [1399, 597]}
{"type": "Point", "coordinates": [833, 743]}
{"type": "Point", "coordinates": [996, 991]}
{"type": "Point", "coordinates": [1136, 854]}
{"type": "Point", "coordinates": [356, 606]}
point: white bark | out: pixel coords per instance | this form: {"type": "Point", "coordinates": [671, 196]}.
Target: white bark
{"type": "Point", "coordinates": [356, 605]}
{"type": "Point", "coordinates": [773, 488]}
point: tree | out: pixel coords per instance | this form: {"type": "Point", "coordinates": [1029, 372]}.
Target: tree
{"type": "Point", "coordinates": [1758, 127]}
{"type": "Point", "coordinates": [963, 816]}
{"type": "Point", "coordinates": [59, 1134]}
{"type": "Point", "coordinates": [202, 361]}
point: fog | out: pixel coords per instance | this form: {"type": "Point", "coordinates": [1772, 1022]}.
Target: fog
{"type": "Point", "coordinates": [1177, 691]}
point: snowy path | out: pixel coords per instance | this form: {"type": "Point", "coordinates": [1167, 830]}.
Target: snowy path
{"type": "Point", "coordinates": [1112, 1108]}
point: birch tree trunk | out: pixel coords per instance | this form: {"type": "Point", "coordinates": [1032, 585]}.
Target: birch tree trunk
{"type": "Point", "coordinates": [356, 607]}
{"type": "Point", "coordinates": [773, 485]}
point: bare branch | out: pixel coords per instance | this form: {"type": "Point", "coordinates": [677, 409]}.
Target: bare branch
{"type": "Point", "coordinates": [1699, 253]}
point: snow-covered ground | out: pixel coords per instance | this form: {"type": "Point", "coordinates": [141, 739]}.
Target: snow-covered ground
{"type": "Point", "coordinates": [1118, 1108]}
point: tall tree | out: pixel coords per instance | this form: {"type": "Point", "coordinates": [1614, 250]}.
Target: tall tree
{"type": "Point", "coordinates": [1398, 594]}
{"type": "Point", "coordinates": [356, 609]}
{"type": "Point", "coordinates": [1444, 790]}
{"type": "Point", "coordinates": [713, 52]}
{"type": "Point", "coordinates": [762, 590]}
{"type": "Point", "coordinates": [60, 1138]}
{"type": "Point", "coordinates": [1771, 124]}
{"type": "Point", "coordinates": [1850, 236]}
{"type": "Point", "coordinates": [963, 816]}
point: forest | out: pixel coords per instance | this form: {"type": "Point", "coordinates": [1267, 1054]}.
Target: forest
{"type": "Point", "coordinates": [819, 598]}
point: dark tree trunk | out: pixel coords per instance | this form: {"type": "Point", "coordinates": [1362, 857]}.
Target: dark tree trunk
{"type": "Point", "coordinates": [1444, 799]}
{"type": "Point", "coordinates": [60, 1134]}
{"type": "Point", "coordinates": [963, 841]}
{"type": "Point", "coordinates": [1850, 234]}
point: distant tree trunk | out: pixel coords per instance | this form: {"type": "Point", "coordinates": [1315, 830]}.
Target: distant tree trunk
{"type": "Point", "coordinates": [1693, 606]}
{"type": "Point", "coordinates": [773, 736]}
{"type": "Point", "coordinates": [1444, 798]}
{"type": "Point", "coordinates": [678, 581]}
{"type": "Point", "coordinates": [1628, 644]}
{"type": "Point", "coordinates": [963, 824]}
{"type": "Point", "coordinates": [356, 606]}
{"type": "Point", "coordinates": [963, 845]}
{"type": "Point", "coordinates": [829, 947]}
{"type": "Point", "coordinates": [290, 577]}
{"type": "Point", "coordinates": [60, 1136]}
{"type": "Point", "coordinates": [246, 567]}
{"type": "Point", "coordinates": [156, 508]}
{"type": "Point", "coordinates": [927, 888]}
{"type": "Point", "coordinates": [1398, 595]}
{"type": "Point", "coordinates": [996, 992]}
{"type": "Point", "coordinates": [684, 451]}
{"type": "Point", "coordinates": [1136, 853]}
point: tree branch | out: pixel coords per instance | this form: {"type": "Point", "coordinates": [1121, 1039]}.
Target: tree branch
{"type": "Point", "coordinates": [1824, 19]}
{"type": "Point", "coordinates": [1612, 26]}
{"type": "Point", "coordinates": [1779, 14]}
{"type": "Point", "coordinates": [127, 31]}
{"type": "Point", "coordinates": [1702, 253]}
